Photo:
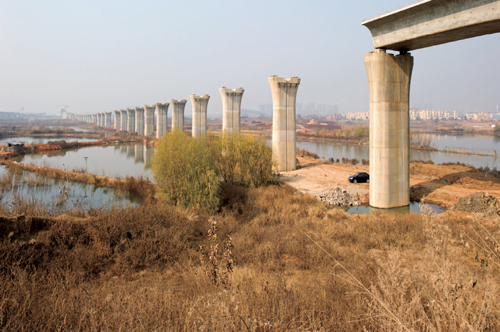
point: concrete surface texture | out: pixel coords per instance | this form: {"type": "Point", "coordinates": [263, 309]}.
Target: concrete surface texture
{"type": "Point", "coordinates": [124, 120]}
{"type": "Point", "coordinates": [389, 85]}
{"type": "Point", "coordinates": [199, 104]}
{"type": "Point", "coordinates": [139, 120]}
{"type": "Point", "coordinates": [231, 109]}
{"type": "Point", "coordinates": [107, 119]}
{"type": "Point", "coordinates": [149, 120]}
{"type": "Point", "coordinates": [130, 120]}
{"type": "Point", "coordinates": [161, 119]}
{"type": "Point", "coordinates": [118, 120]}
{"type": "Point", "coordinates": [284, 91]}
{"type": "Point", "coordinates": [178, 107]}
{"type": "Point", "coordinates": [434, 22]}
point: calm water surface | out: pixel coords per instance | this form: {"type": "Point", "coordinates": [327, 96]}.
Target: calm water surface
{"type": "Point", "coordinates": [414, 207]}
{"type": "Point", "coordinates": [340, 150]}
{"type": "Point", "coordinates": [42, 140]}
{"type": "Point", "coordinates": [115, 161]}
{"type": "Point", "coordinates": [51, 193]}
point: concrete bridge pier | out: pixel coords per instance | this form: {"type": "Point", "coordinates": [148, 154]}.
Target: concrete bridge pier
{"type": "Point", "coordinates": [389, 85]}
{"type": "Point", "coordinates": [139, 120]}
{"type": "Point", "coordinates": [231, 109]}
{"type": "Point", "coordinates": [107, 119]}
{"type": "Point", "coordinates": [123, 118]}
{"type": "Point", "coordinates": [161, 119]}
{"type": "Point", "coordinates": [284, 92]}
{"type": "Point", "coordinates": [118, 120]}
{"type": "Point", "coordinates": [200, 104]}
{"type": "Point", "coordinates": [93, 118]}
{"type": "Point", "coordinates": [149, 120]}
{"type": "Point", "coordinates": [130, 120]}
{"type": "Point", "coordinates": [178, 113]}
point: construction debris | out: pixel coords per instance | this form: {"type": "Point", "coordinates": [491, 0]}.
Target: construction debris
{"type": "Point", "coordinates": [478, 202]}
{"type": "Point", "coordinates": [338, 197]}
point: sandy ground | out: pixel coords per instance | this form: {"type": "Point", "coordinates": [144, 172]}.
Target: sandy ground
{"type": "Point", "coordinates": [441, 185]}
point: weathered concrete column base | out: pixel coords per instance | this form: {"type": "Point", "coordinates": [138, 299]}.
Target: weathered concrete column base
{"type": "Point", "coordinates": [231, 109]}
{"type": "Point", "coordinates": [200, 104]}
{"type": "Point", "coordinates": [284, 92]}
{"type": "Point", "coordinates": [389, 84]}
{"type": "Point", "coordinates": [161, 119]}
{"type": "Point", "coordinates": [178, 113]}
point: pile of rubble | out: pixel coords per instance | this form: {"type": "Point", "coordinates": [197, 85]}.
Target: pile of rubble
{"type": "Point", "coordinates": [478, 202]}
{"type": "Point", "coordinates": [338, 197]}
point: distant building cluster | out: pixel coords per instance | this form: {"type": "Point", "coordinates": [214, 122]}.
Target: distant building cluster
{"type": "Point", "coordinates": [67, 115]}
{"type": "Point", "coordinates": [23, 116]}
{"type": "Point", "coordinates": [357, 116]}
{"type": "Point", "coordinates": [479, 116]}
{"type": "Point", "coordinates": [432, 114]}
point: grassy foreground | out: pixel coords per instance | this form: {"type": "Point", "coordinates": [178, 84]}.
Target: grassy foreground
{"type": "Point", "coordinates": [293, 265]}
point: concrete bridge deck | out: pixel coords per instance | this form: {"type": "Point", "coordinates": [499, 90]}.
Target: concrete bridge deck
{"type": "Point", "coordinates": [434, 22]}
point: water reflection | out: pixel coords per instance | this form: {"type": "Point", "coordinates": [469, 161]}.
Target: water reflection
{"type": "Point", "coordinates": [139, 154]}
{"type": "Point", "coordinates": [339, 151]}
{"type": "Point", "coordinates": [43, 139]}
{"type": "Point", "coordinates": [413, 207]}
{"type": "Point", "coordinates": [55, 194]}
{"type": "Point", "coordinates": [149, 156]}
{"type": "Point", "coordinates": [113, 161]}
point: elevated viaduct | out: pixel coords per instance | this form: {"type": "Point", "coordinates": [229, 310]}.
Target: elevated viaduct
{"type": "Point", "coordinates": [418, 25]}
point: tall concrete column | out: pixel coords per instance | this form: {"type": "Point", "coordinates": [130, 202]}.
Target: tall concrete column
{"type": "Point", "coordinates": [118, 120]}
{"type": "Point", "coordinates": [124, 119]}
{"type": "Point", "coordinates": [139, 120]}
{"type": "Point", "coordinates": [149, 120]}
{"type": "Point", "coordinates": [231, 109]}
{"type": "Point", "coordinates": [161, 119]}
{"type": "Point", "coordinates": [199, 103]}
{"type": "Point", "coordinates": [107, 119]}
{"type": "Point", "coordinates": [178, 113]}
{"type": "Point", "coordinates": [389, 84]}
{"type": "Point", "coordinates": [130, 120]}
{"type": "Point", "coordinates": [101, 119]}
{"type": "Point", "coordinates": [284, 92]}
{"type": "Point", "coordinates": [93, 118]}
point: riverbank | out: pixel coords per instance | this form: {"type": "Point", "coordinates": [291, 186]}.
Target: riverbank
{"type": "Point", "coordinates": [145, 189]}
{"type": "Point", "coordinates": [441, 185]}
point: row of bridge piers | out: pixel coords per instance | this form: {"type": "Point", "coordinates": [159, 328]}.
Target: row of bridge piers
{"type": "Point", "coordinates": [141, 120]}
{"type": "Point", "coordinates": [389, 85]}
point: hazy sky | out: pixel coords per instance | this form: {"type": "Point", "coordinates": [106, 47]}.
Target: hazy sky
{"type": "Point", "coordinates": [104, 55]}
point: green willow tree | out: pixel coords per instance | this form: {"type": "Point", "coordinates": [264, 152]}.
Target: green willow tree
{"type": "Point", "coordinates": [185, 171]}
{"type": "Point", "coordinates": [244, 160]}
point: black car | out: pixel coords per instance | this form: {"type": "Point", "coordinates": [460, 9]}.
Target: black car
{"type": "Point", "coordinates": [360, 177]}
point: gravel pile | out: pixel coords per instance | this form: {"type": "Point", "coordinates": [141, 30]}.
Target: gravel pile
{"type": "Point", "coordinates": [338, 197]}
{"type": "Point", "coordinates": [478, 202]}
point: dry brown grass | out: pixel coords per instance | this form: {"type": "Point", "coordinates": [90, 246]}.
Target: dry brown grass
{"type": "Point", "coordinates": [298, 266]}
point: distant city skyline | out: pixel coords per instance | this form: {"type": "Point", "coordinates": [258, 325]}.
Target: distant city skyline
{"type": "Point", "coordinates": [99, 56]}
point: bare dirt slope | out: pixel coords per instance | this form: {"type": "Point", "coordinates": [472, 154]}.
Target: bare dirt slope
{"type": "Point", "coordinates": [442, 185]}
